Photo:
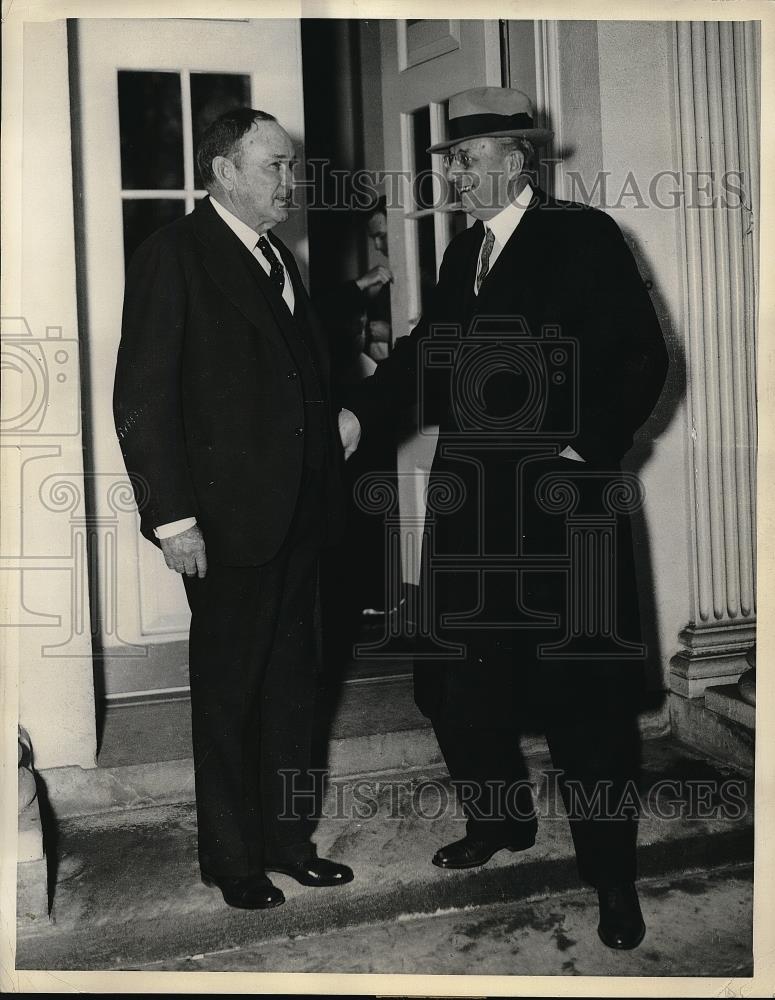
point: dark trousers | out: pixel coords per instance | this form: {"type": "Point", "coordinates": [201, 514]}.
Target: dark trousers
{"type": "Point", "coordinates": [593, 740]}
{"type": "Point", "coordinates": [252, 664]}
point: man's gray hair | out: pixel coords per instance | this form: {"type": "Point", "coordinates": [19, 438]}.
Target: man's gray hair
{"type": "Point", "coordinates": [222, 138]}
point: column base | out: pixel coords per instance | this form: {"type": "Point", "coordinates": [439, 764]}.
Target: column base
{"type": "Point", "coordinates": [714, 655]}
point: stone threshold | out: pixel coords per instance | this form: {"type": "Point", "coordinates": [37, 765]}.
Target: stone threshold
{"type": "Point", "coordinates": [128, 889]}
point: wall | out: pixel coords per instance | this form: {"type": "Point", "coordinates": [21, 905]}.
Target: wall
{"type": "Point", "coordinates": [520, 64]}
{"type": "Point", "coordinates": [627, 121]}
{"type": "Point", "coordinates": [612, 105]}
{"type": "Point", "coordinates": [43, 550]}
{"type": "Point", "coordinates": [581, 126]}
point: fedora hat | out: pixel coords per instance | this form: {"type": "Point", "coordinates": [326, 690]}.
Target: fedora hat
{"type": "Point", "coordinates": [498, 112]}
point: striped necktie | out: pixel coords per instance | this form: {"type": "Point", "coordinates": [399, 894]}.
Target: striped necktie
{"type": "Point", "coordinates": [276, 272]}
{"type": "Point", "coordinates": [484, 267]}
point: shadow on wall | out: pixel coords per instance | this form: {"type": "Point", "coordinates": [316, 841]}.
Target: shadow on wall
{"type": "Point", "coordinates": [639, 455]}
{"type": "Point", "coordinates": [661, 418]}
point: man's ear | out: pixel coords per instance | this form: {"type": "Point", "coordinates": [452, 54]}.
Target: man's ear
{"type": "Point", "coordinates": [223, 170]}
{"type": "Point", "coordinates": [516, 163]}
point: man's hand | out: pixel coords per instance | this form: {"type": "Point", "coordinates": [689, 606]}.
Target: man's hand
{"type": "Point", "coordinates": [379, 331]}
{"type": "Point", "coordinates": [375, 278]}
{"type": "Point", "coordinates": [349, 432]}
{"type": "Point", "coordinates": [185, 553]}
{"type": "Point", "coordinates": [378, 340]}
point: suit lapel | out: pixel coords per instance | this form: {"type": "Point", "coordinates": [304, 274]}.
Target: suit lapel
{"type": "Point", "coordinates": [303, 312]}
{"type": "Point", "coordinates": [240, 277]}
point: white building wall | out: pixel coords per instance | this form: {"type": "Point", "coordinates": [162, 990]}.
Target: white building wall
{"type": "Point", "coordinates": [43, 467]}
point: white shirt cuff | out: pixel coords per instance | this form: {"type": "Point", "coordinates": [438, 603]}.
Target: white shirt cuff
{"type": "Point", "coordinates": [574, 456]}
{"type": "Point", "coordinates": [174, 527]}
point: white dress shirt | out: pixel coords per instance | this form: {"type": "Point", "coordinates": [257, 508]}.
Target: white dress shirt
{"type": "Point", "coordinates": [249, 237]}
{"type": "Point", "coordinates": [503, 225]}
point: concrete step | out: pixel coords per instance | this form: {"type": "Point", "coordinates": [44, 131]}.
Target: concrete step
{"type": "Point", "coordinates": [727, 701]}
{"type": "Point", "coordinates": [711, 726]}
{"type": "Point", "coordinates": [128, 889]}
{"type": "Point", "coordinates": [369, 725]}
{"type": "Point", "coordinates": [549, 935]}
{"type": "Point", "coordinates": [367, 698]}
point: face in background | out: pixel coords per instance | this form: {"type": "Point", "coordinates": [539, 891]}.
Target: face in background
{"type": "Point", "coordinates": [377, 229]}
{"type": "Point", "coordinates": [487, 178]}
{"type": "Point", "coordinates": [257, 181]}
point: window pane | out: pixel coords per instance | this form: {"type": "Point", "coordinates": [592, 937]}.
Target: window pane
{"type": "Point", "coordinates": [144, 216]}
{"type": "Point", "coordinates": [211, 95]}
{"type": "Point", "coordinates": [424, 199]}
{"type": "Point", "coordinates": [151, 126]}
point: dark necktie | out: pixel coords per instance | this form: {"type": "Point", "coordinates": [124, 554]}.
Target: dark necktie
{"type": "Point", "coordinates": [276, 272]}
{"type": "Point", "coordinates": [484, 267]}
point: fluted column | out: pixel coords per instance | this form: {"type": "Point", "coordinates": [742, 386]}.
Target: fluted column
{"type": "Point", "coordinates": [718, 68]}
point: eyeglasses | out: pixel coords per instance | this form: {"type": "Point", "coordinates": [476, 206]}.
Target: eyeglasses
{"type": "Point", "coordinates": [461, 157]}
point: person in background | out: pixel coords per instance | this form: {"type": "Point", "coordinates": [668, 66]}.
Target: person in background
{"type": "Point", "coordinates": [356, 313]}
{"type": "Point", "coordinates": [356, 316]}
{"type": "Point", "coordinates": [378, 327]}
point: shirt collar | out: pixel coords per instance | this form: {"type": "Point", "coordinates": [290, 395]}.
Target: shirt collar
{"type": "Point", "coordinates": [506, 221]}
{"type": "Point", "coordinates": [240, 229]}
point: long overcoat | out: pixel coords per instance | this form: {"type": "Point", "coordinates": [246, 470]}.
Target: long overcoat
{"type": "Point", "coordinates": [528, 562]}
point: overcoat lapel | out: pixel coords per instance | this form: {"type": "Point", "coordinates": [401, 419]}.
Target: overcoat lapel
{"type": "Point", "coordinates": [513, 262]}
{"type": "Point", "coordinates": [469, 271]}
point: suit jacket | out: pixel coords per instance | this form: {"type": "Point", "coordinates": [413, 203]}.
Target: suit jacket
{"type": "Point", "coordinates": [208, 401]}
{"type": "Point", "coordinates": [561, 347]}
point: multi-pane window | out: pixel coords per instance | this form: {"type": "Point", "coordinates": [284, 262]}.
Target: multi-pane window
{"type": "Point", "coordinates": [161, 117]}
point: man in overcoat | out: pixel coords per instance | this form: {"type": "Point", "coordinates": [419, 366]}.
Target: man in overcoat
{"type": "Point", "coordinates": [223, 413]}
{"type": "Point", "coordinates": [539, 358]}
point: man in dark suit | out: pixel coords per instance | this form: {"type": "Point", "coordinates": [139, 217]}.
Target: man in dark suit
{"type": "Point", "coordinates": [539, 357]}
{"type": "Point", "coordinates": [222, 411]}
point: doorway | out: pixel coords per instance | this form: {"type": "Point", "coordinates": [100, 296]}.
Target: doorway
{"type": "Point", "coordinates": [375, 118]}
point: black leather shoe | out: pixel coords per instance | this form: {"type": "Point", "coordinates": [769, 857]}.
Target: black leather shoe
{"type": "Point", "coordinates": [314, 872]}
{"type": "Point", "coordinates": [470, 852]}
{"type": "Point", "coordinates": [253, 893]}
{"type": "Point", "coordinates": [621, 921]}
